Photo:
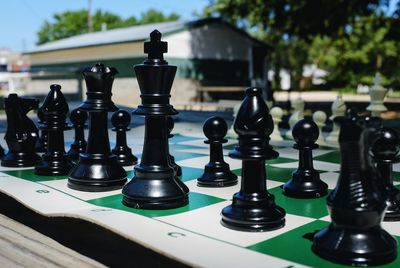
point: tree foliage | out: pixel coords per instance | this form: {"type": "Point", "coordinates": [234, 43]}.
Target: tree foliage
{"type": "Point", "coordinates": [350, 39]}
{"type": "Point", "coordinates": [70, 23]}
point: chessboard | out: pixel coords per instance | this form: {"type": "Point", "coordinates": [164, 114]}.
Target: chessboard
{"type": "Point", "coordinates": [193, 234]}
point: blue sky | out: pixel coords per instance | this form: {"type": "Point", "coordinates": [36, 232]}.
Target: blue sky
{"type": "Point", "coordinates": [20, 20]}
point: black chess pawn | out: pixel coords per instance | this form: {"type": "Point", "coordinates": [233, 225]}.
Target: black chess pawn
{"type": "Point", "coordinates": [55, 109]}
{"type": "Point", "coordinates": [357, 204]}
{"type": "Point", "coordinates": [98, 169]}
{"type": "Point", "coordinates": [305, 181]}
{"type": "Point", "coordinates": [155, 184]}
{"type": "Point", "coordinates": [21, 134]}
{"type": "Point", "coordinates": [253, 208]}
{"type": "Point", "coordinates": [217, 172]}
{"type": "Point", "coordinates": [78, 119]}
{"type": "Point", "coordinates": [385, 151]}
{"type": "Point", "coordinates": [170, 127]}
{"type": "Point", "coordinates": [121, 120]}
{"type": "Point", "coordinates": [41, 144]}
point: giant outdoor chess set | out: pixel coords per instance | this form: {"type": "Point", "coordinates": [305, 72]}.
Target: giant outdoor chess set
{"type": "Point", "coordinates": [211, 215]}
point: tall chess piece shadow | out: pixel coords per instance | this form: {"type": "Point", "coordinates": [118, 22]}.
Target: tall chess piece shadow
{"type": "Point", "coordinates": [21, 134]}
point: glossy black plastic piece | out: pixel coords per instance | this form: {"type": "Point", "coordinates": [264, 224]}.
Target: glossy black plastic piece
{"type": "Point", "coordinates": [98, 169]}
{"type": "Point", "coordinates": [253, 208]}
{"type": "Point", "coordinates": [358, 202]}
{"type": "Point", "coordinates": [217, 172]}
{"type": "Point", "coordinates": [155, 184]}
{"type": "Point", "coordinates": [41, 144]}
{"type": "Point", "coordinates": [21, 134]}
{"type": "Point", "coordinates": [78, 119]}
{"type": "Point", "coordinates": [385, 151]}
{"type": "Point", "coordinates": [121, 120]}
{"type": "Point", "coordinates": [170, 127]}
{"type": "Point", "coordinates": [305, 181]}
{"type": "Point", "coordinates": [1, 152]}
{"type": "Point", "coordinates": [55, 108]}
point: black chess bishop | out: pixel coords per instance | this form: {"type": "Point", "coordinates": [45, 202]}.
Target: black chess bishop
{"type": "Point", "coordinates": [155, 184]}
{"type": "Point", "coordinates": [98, 169]}
{"type": "Point", "coordinates": [170, 127]}
{"type": "Point", "coordinates": [385, 152]}
{"type": "Point", "coordinates": [253, 208]}
{"type": "Point", "coordinates": [121, 120]}
{"type": "Point", "coordinates": [21, 134]}
{"type": "Point", "coordinates": [78, 119]}
{"type": "Point", "coordinates": [54, 109]}
{"type": "Point", "coordinates": [217, 172]}
{"type": "Point", "coordinates": [358, 203]}
{"type": "Point", "coordinates": [305, 181]}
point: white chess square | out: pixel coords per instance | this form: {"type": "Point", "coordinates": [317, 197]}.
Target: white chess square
{"type": "Point", "coordinates": [206, 221]}
{"type": "Point", "coordinates": [224, 192]}
{"type": "Point", "coordinates": [292, 153]}
{"type": "Point", "coordinates": [320, 165]}
{"type": "Point", "coordinates": [330, 178]}
{"type": "Point", "coordinates": [61, 185]}
{"type": "Point", "coordinates": [200, 162]}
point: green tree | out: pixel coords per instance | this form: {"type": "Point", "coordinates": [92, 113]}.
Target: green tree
{"type": "Point", "coordinates": [70, 23]}
{"type": "Point", "coordinates": [290, 26]}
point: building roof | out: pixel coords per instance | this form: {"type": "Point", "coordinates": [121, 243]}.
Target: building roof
{"type": "Point", "coordinates": [128, 34]}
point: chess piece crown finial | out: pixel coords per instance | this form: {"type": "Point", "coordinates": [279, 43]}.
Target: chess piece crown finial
{"type": "Point", "coordinates": [99, 80]}
{"type": "Point", "coordinates": [155, 49]}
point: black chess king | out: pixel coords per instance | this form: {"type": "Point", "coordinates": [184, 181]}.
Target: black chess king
{"type": "Point", "coordinates": [155, 184]}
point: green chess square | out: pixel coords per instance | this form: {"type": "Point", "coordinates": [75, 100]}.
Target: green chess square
{"type": "Point", "coordinates": [197, 200]}
{"type": "Point", "coordinates": [29, 175]}
{"type": "Point", "coordinates": [312, 208]}
{"type": "Point", "coordinates": [332, 157]}
{"type": "Point", "coordinates": [295, 245]}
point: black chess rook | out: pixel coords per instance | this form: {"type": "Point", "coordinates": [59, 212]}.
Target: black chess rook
{"type": "Point", "coordinates": [253, 208]}
{"type": "Point", "coordinates": [217, 172]}
{"type": "Point", "coordinates": [55, 109]}
{"type": "Point", "coordinates": [121, 120]}
{"type": "Point", "coordinates": [155, 184]}
{"type": "Point", "coordinates": [358, 203]}
{"type": "Point", "coordinates": [305, 181]}
{"type": "Point", "coordinates": [21, 134]}
{"type": "Point", "coordinates": [98, 169]}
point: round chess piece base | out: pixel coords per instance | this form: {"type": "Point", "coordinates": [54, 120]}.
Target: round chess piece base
{"type": "Point", "coordinates": [155, 191]}
{"type": "Point", "coordinates": [253, 214]}
{"type": "Point", "coordinates": [305, 185]}
{"type": "Point", "coordinates": [217, 176]}
{"type": "Point", "coordinates": [53, 167]}
{"type": "Point", "coordinates": [372, 246]}
{"type": "Point", "coordinates": [22, 159]}
{"type": "Point", "coordinates": [125, 156]}
{"type": "Point", "coordinates": [94, 174]}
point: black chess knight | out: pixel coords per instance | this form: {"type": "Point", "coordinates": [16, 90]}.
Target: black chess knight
{"type": "Point", "coordinates": [155, 184]}
{"type": "Point", "coordinates": [21, 134]}
{"type": "Point", "coordinates": [253, 207]}
{"type": "Point", "coordinates": [98, 169]}
{"type": "Point", "coordinates": [55, 109]}
{"type": "Point", "coordinates": [358, 203]}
